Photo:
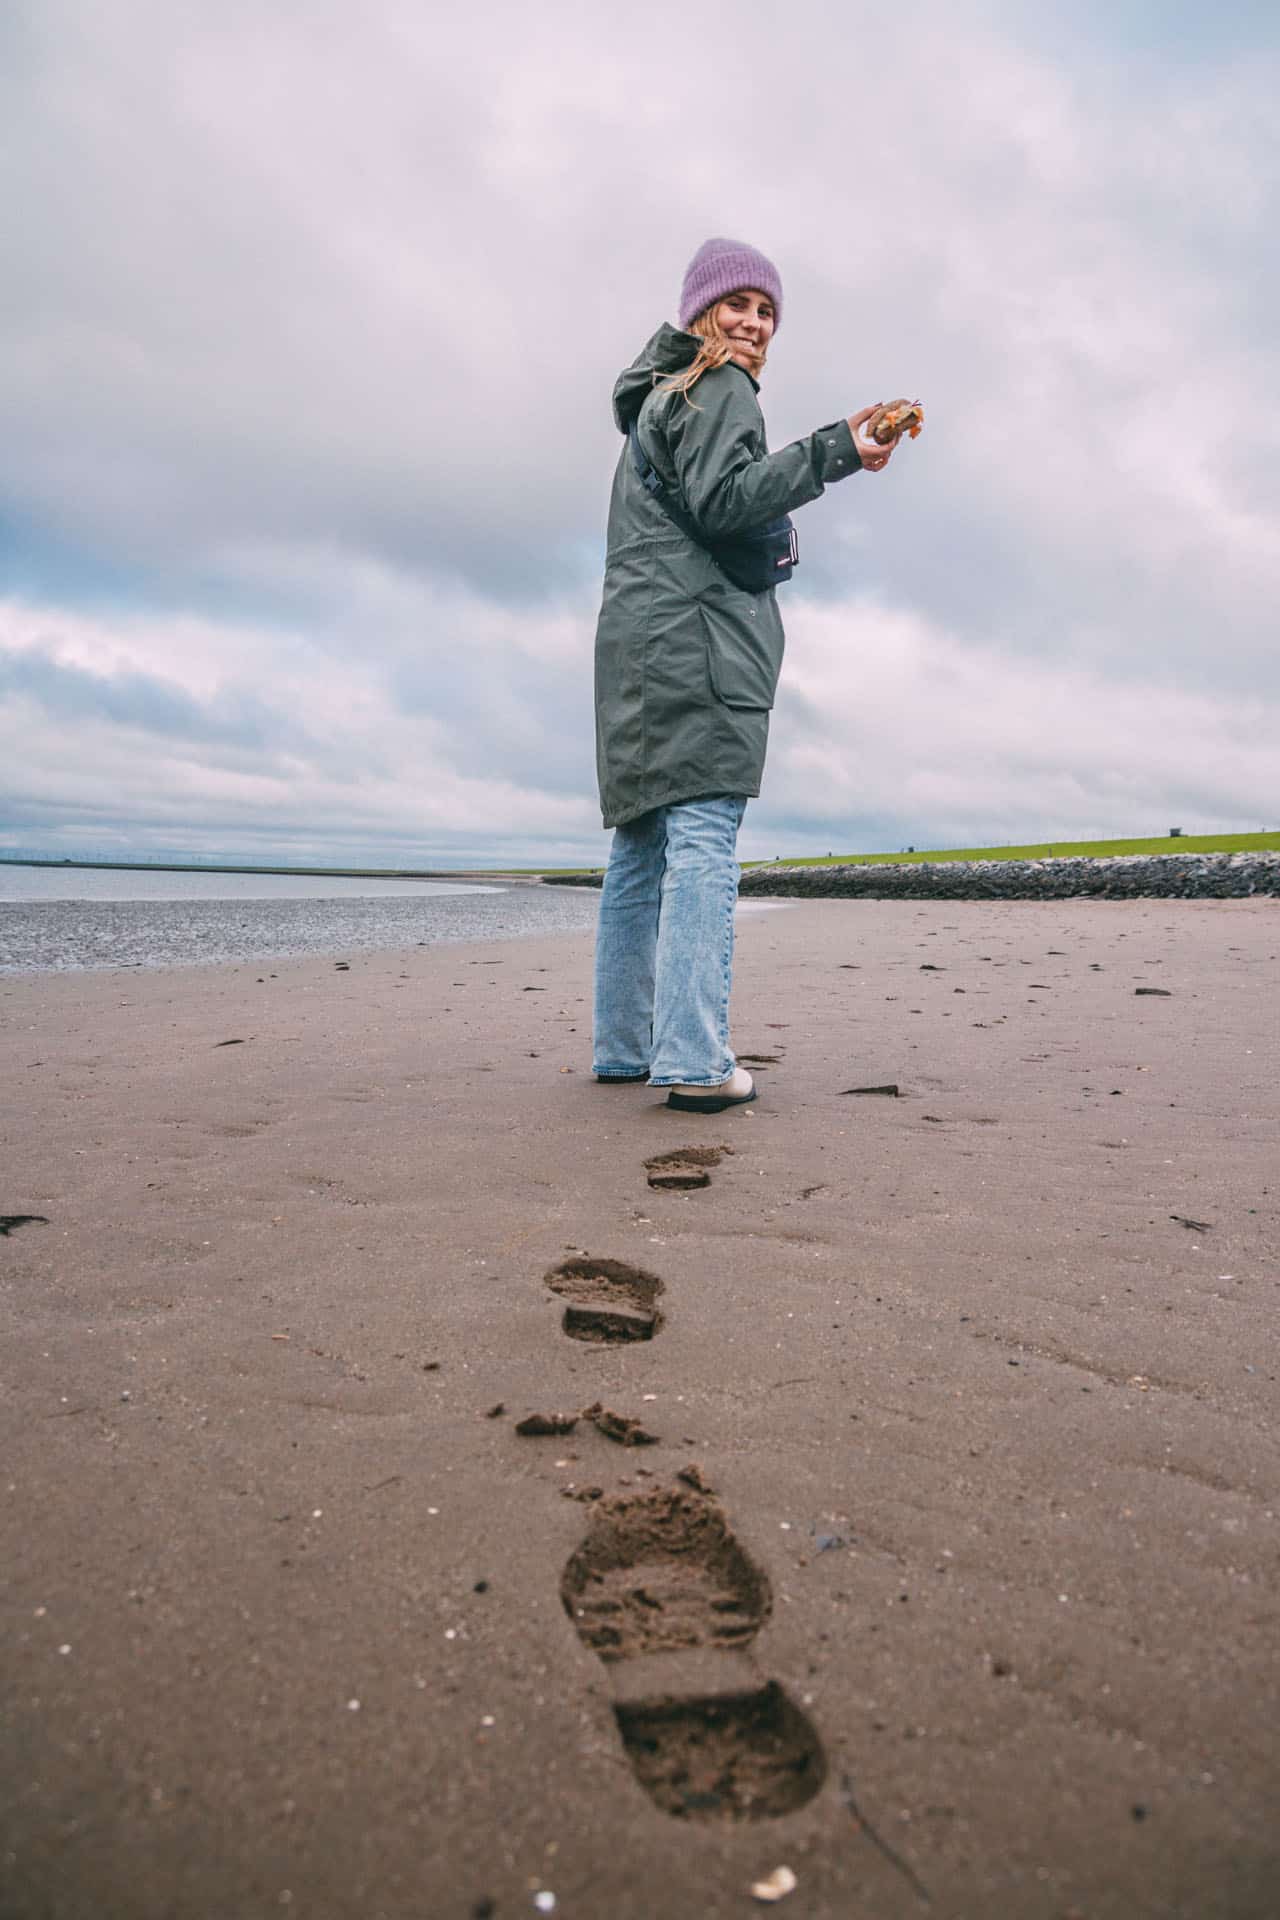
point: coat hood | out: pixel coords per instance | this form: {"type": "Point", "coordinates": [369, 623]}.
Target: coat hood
{"type": "Point", "coordinates": [670, 351]}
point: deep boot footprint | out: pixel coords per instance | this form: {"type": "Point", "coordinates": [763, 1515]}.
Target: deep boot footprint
{"type": "Point", "coordinates": [610, 1303]}
{"type": "Point", "coordinates": [660, 1572]}
{"type": "Point", "coordinates": [660, 1575]}
{"type": "Point", "coordinates": [684, 1167]}
{"type": "Point", "coordinates": [743, 1756]}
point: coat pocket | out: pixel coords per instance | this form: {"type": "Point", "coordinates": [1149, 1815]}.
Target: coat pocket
{"type": "Point", "coordinates": [744, 652]}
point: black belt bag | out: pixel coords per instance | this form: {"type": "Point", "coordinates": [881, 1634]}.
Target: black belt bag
{"type": "Point", "coordinates": [753, 561]}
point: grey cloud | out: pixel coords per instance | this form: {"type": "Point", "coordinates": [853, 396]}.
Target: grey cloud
{"type": "Point", "coordinates": [140, 703]}
{"type": "Point", "coordinates": [532, 718]}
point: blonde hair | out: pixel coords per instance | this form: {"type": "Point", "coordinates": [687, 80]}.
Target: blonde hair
{"type": "Point", "coordinates": [715, 351]}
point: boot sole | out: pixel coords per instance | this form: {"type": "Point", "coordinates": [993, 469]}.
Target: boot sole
{"type": "Point", "coordinates": [688, 1103]}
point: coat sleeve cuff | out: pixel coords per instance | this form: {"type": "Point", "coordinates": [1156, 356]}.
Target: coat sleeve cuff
{"type": "Point", "coordinates": [836, 451]}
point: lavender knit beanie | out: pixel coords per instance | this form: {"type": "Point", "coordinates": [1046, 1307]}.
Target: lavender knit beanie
{"type": "Point", "coordinates": [722, 267]}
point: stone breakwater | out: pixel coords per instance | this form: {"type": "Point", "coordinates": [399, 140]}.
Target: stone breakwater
{"type": "Point", "coordinates": [1164, 876]}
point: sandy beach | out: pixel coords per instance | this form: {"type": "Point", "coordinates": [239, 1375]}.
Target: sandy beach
{"type": "Point", "coordinates": [968, 1592]}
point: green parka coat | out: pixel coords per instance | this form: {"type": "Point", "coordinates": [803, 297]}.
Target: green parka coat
{"type": "Point", "coordinates": [687, 663]}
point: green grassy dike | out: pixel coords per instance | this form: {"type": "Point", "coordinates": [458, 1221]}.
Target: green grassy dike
{"type": "Point", "coordinates": [1059, 850]}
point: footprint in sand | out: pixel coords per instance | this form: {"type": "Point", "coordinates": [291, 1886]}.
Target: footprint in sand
{"type": "Point", "coordinates": [684, 1168]}
{"type": "Point", "coordinates": [661, 1574]}
{"type": "Point", "coordinates": [743, 1756]}
{"type": "Point", "coordinates": [609, 1302]}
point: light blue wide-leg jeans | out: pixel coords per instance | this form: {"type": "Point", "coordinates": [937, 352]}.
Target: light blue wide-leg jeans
{"type": "Point", "coordinates": [664, 945]}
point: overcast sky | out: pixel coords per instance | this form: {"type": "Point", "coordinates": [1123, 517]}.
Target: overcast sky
{"type": "Point", "coordinates": [309, 315]}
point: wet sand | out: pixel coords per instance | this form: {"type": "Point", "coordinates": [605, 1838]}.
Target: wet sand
{"type": "Point", "coordinates": [982, 1604]}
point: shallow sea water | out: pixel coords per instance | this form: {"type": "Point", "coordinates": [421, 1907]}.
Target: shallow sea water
{"type": "Point", "coordinates": [55, 919]}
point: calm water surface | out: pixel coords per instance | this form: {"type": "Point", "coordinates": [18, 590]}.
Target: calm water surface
{"type": "Point", "coordinates": [72, 917]}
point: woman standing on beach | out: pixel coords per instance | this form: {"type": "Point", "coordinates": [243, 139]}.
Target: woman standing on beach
{"type": "Point", "coordinates": [687, 660]}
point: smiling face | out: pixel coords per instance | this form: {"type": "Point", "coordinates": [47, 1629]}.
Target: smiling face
{"type": "Point", "coordinates": [746, 320]}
